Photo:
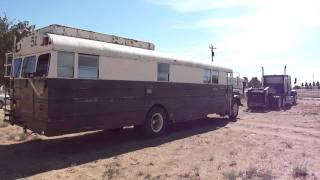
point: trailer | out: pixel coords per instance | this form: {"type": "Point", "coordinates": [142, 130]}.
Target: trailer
{"type": "Point", "coordinates": [66, 80]}
{"type": "Point", "coordinates": [276, 92]}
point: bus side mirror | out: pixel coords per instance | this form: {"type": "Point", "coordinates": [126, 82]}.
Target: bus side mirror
{"type": "Point", "coordinates": [295, 80]}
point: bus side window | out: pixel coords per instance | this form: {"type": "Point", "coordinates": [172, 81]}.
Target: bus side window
{"type": "Point", "coordinates": [88, 66]}
{"type": "Point", "coordinates": [206, 76]}
{"type": "Point", "coordinates": [163, 72]}
{"type": "Point", "coordinates": [43, 65]}
{"type": "Point", "coordinates": [215, 77]}
{"type": "Point", "coordinates": [65, 64]}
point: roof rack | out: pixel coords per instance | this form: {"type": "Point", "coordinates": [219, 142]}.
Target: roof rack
{"type": "Point", "coordinates": [85, 34]}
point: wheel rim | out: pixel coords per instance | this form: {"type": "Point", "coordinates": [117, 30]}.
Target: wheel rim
{"type": "Point", "coordinates": [235, 109]}
{"type": "Point", "coordinates": [156, 122]}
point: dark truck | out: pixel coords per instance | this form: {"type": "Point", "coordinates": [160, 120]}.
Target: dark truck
{"type": "Point", "coordinates": [276, 92]}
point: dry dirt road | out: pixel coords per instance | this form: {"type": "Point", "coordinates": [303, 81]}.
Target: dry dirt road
{"type": "Point", "coordinates": [259, 145]}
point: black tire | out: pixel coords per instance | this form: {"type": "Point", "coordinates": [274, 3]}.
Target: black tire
{"type": "Point", "coordinates": [234, 111]}
{"type": "Point", "coordinates": [248, 105]}
{"type": "Point", "coordinates": [279, 104]}
{"type": "Point", "coordinates": [1, 104]}
{"type": "Point", "coordinates": [295, 100]}
{"type": "Point", "coordinates": [283, 102]}
{"type": "Point", "coordinates": [156, 122]}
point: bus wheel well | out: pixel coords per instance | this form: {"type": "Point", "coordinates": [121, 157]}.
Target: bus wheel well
{"type": "Point", "coordinates": [162, 107]}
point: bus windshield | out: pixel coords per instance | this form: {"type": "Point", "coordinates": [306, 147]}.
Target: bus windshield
{"type": "Point", "coordinates": [16, 67]}
{"type": "Point", "coordinates": [29, 64]}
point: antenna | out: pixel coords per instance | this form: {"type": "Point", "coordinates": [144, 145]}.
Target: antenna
{"type": "Point", "coordinates": [212, 51]}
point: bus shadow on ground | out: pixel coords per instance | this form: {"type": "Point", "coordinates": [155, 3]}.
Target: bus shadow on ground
{"type": "Point", "coordinates": [29, 158]}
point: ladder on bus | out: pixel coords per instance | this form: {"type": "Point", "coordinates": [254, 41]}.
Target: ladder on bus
{"type": "Point", "coordinates": [8, 89]}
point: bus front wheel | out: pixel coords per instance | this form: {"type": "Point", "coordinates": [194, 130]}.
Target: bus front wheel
{"type": "Point", "coordinates": [234, 111]}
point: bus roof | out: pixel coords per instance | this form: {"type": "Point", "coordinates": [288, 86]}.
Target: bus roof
{"type": "Point", "coordinates": [87, 46]}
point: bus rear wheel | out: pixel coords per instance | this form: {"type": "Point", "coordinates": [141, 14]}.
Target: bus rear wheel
{"type": "Point", "coordinates": [156, 122]}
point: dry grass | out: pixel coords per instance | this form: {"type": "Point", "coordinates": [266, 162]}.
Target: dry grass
{"type": "Point", "coordinates": [253, 173]}
{"type": "Point", "coordinates": [111, 173]}
{"type": "Point", "coordinates": [230, 175]}
{"type": "Point", "coordinates": [300, 171]}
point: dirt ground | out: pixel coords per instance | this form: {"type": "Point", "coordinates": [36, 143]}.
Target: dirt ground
{"type": "Point", "coordinates": [259, 145]}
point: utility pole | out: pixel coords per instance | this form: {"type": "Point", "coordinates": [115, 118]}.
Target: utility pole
{"type": "Point", "coordinates": [212, 51]}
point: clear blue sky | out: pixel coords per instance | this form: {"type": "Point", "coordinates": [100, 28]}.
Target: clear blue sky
{"type": "Point", "coordinates": [247, 34]}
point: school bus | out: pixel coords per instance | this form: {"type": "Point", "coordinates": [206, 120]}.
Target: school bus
{"type": "Point", "coordinates": [66, 80]}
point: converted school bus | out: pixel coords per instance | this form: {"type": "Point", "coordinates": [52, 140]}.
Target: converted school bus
{"type": "Point", "coordinates": [66, 80]}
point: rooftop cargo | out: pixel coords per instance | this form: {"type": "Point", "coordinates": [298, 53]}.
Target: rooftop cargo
{"type": "Point", "coordinates": [85, 34]}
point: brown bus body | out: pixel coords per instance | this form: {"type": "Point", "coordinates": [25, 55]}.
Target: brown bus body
{"type": "Point", "coordinates": [76, 105]}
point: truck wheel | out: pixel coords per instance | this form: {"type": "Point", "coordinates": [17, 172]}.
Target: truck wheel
{"type": "Point", "coordinates": [283, 103]}
{"type": "Point", "coordinates": [295, 100]}
{"type": "Point", "coordinates": [1, 104]}
{"type": "Point", "coordinates": [234, 111]}
{"type": "Point", "coordinates": [279, 104]}
{"type": "Point", "coordinates": [156, 122]}
{"type": "Point", "coordinates": [248, 105]}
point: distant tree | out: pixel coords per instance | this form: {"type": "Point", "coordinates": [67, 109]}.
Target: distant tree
{"type": "Point", "coordinates": [254, 82]}
{"type": "Point", "coordinates": [8, 30]}
{"type": "Point", "coordinates": [302, 85]}
{"type": "Point", "coordinates": [246, 79]}
{"type": "Point", "coordinates": [296, 87]}
{"type": "Point", "coordinates": [245, 82]}
{"type": "Point", "coordinates": [306, 85]}
{"type": "Point", "coordinates": [314, 84]}
{"type": "Point", "coordinates": [318, 84]}
{"type": "Point", "coordinates": [310, 85]}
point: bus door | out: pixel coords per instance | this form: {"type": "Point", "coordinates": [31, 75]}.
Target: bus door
{"type": "Point", "coordinates": [26, 88]}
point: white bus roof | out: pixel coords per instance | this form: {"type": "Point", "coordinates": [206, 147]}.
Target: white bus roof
{"type": "Point", "coordinates": [80, 45]}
